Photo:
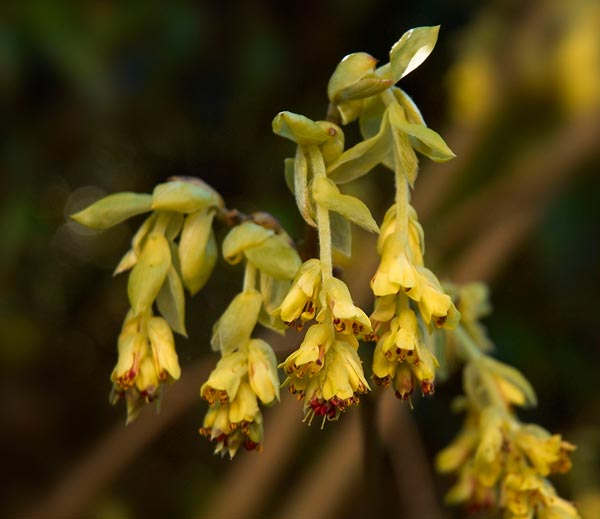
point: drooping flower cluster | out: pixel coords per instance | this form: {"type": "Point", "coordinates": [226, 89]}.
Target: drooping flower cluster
{"type": "Point", "coordinates": [325, 371]}
{"type": "Point", "coordinates": [501, 462]}
{"type": "Point", "coordinates": [247, 371]}
{"type": "Point", "coordinates": [410, 302]}
{"type": "Point", "coordinates": [174, 248]}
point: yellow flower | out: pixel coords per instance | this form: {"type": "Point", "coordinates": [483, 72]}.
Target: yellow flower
{"type": "Point", "coordinates": [224, 381]}
{"type": "Point", "coordinates": [262, 371]}
{"type": "Point", "coordinates": [546, 453]}
{"type": "Point", "coordinates": [489, 456]}
{"type": "Point", "coordinates": [163, 349]}
{"type": "Point", "coordinates": [308, 359]}
{"type": "Point", "coordinates": [347, 318]}
{"type": "Point", "coordinates": [396, 271]}
{"type": "Point", "coordinates": [434, 304]}
{"type": "Point", "coordinates": [235, 423]}
{"type": "Point", "coordinates": [301, 301]}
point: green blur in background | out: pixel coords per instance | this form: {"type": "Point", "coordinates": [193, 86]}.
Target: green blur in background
{"type": "Point", "coordinates": [105, 96]}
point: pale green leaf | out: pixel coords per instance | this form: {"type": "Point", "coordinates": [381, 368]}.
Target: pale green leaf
{"type": "Point", "coordinates": [113, 209]}
{"type": "Point", "coordinates": [274, 257]}
{"type": "Point", "coordinates": [341, 233]}
{"type": "Point", "coordinates": [366, 87]}
{"type": "Point", "coordinates": [240, 238]}
{"type": "Point", "coordinates": [289, 173]}
{"type": "Point", "coordinates": [299, 129]}
{"type": "Point", "coordinates": [364, 156]}
{"type": "Point", "coordinates": [327, 194]}
{"type": "Point", "coordinates": [150, 272]}
{"type": "Point", "coordinates": [195, 234]}
{"type": "Point", "coordinates": [301, 186]}
{"type": "Point", "coordinates": [348, 72]}
{"type": "Point", "coordinates": [234, 327]}
{"type": "Point", "coordinates": [184, 197]}
{"type": "Point", "coordinates": [423, 139]}
{"type": "Point", "coordinates": [411, 50]}
{"type": "Point", "coordinates": [412, 112]}
{"type": "Point", "coordinates": [171, 302]}
{"type": "Point", "coordinates": [513, 376]}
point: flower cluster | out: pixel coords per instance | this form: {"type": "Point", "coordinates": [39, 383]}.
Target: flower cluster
{"type": "Point", "coordinates": [501, 462]}
{"type": "Point", "coordinates": [247, 371]}
{"type": "Point", "coordinates": [174, 248]}
{"type": "Point", "coordinates": [325, 371]}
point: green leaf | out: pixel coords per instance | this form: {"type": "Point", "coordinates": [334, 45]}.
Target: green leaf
{"type": "Point", "coordinates": [113, 209]}
{"type": "Point", "coordinates": [184, 197]}
{"type": "Point", "coordinates": [411, 50]}
{"type": "Point", "coordinates": [412, 112]}
{"type": "Point", "coordinates": [234, 327]}
{"type": "Point", "coordinates": [301, 186]}
{"type": "Point", "coordinates": [424, 139]}
{"type": "Point", "coordinates": [341, 233]}
{"type": "Point", "coordinates": [327, 194]}
{"type": "Point", "coordinates": [240, 238]}
{"type": "Point", "coordinates": [289, 173]}
{"type": "Point", "coordinates": [299, 129]}
{"type": "Point", "coordinates": [150, 272]}
{"type": "Point", "coordinates": [348, 72]}
{"type": "Point", "coordinates": [366, 87]}
{"type": "Point", "coordinates": [195, 235]}
{"type": "Point", "coordinates": [171, 302]}
{"type": "Point", "coordinates": [363, 157]}
{"type": "Point", "coordinates": [275, 257]}
{"type": "Point", "coordinates": [512, 376]}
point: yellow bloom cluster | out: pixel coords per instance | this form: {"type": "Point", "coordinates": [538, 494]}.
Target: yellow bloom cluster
{"type": "Point", "coordinates": [174, 248]}
{"type": "Point", "coordinates": [325, 371]}
{"type": "Point", "coordinates": [247, 371]}
{"type": "Point", "coordinates": [147, 359]}
{"type": "Point", "coordinates": [503, 462]}
{"type": "Point", "coordinates": [410, 304]}
{"type": "Point", "coordinates": [232, 390]}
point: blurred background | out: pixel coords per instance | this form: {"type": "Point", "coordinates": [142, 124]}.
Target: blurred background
{"type": "Point", "coordinates": [105, 96]}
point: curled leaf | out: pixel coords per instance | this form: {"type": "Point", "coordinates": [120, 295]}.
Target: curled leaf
{"type": "Point", "coordinates": [299, 129]}
{"type": "Point", "coordinates": [349, 72]}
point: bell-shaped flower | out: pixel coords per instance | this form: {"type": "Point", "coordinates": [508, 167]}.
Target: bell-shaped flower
{"type": "Point", "coordinates": [301, 302]}
{"type": "Point", "coordinates": [396, 271]}
{"type": "Point", "coordinates": [163, 349]}
{"type": "Point", "coordinates": [262, 371]}
{"type": "Point", "coordinates": [347, 318]}
{"type": "Point", "coordinates": [434, 304]}
{"type": "Point", "coordinates": [224, 381]}
{"type": "Point", "coordinates": [234, 423]}
{"type": "Point", "coordinates": [132, 347]}
{"type": "Point", "coordinates": [546, 453]}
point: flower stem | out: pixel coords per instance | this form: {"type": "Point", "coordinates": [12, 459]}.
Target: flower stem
{"type": "Point", "coordinates": [249, 277]}
{"type": "Point", "coordinates": [323, 225]}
